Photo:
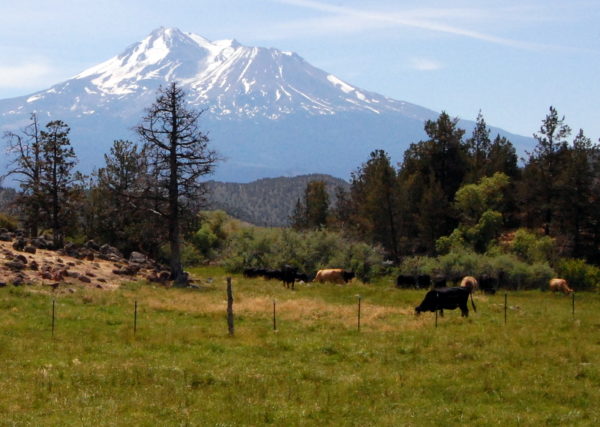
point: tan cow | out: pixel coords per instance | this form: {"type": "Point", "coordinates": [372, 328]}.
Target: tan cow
{"type": "Point", "coordinates": [470, 283]}
{"type": "Point", "coordinates": [560, 285]}
{"type": "Point", "coordinates": [334, 275]}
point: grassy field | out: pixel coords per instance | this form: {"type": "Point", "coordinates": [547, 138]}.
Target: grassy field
{"type": "Point", "coordinates": [182, 368]}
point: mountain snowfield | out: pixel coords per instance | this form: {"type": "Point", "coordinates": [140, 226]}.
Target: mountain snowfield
{"type": "Point", "coordinates": [267, 112]}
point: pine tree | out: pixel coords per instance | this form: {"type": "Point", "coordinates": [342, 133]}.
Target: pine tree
{"type": "Point", "coordinates": [57, 180]}
{"type": "Point", "coordinates": [540, 187]}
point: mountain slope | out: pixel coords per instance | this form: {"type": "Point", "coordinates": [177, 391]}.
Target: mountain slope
{"type": "Point", "coordinates": [266, 202]}
{"type": "Point", "coordinates": [268, 112]}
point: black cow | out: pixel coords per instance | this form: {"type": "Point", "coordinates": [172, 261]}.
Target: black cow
{"type": "Point", "coordinates": [423, 281]}
{"type": "Point", "coordinates": [288, 275]}
{"type": "Point", "coordinates": [446, 298]}
{"type": "Point", "coordinates": [488, 284]}
{"type": "Point", "coordinates": [348, 275]}
{"type": "Point", "coordinates": [403, 281]}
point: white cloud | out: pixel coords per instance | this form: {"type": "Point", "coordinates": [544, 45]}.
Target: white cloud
{"type": "Point", "coordinates": [439, 20]}
{"type": "Point", "coordinates": [425, 64]}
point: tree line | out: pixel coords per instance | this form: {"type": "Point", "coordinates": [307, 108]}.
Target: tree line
{"type": "Point", "coordinates": [450, 192]}
{"type": "Point", "coordinates": [458, 192]}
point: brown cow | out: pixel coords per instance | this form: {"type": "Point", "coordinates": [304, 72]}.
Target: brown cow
{"type": "Point", "coordinates": [560, 285]}
{"type": "Point", "coordinates": [334, 275]}
{"type": "Point", "coordinates": [470, 283]}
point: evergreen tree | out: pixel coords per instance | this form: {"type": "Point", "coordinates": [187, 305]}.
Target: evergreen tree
{"type": "Point", "coordinates": [313, 211]}
{"type": "Point", "coordinates": [478, 149]}
{"type": "Point", "coordinates": [121, 211]}
{"type": "Point", "coordinates": [540, 187]}
{"type": "Point", "coordinates": [375, 203]}
{"type": "Point", "coordinates": [577, 211]}
{"type": "Point", "coordinates": [57, 181]}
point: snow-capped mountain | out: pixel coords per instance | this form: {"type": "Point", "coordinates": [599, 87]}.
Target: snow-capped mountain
{"type": "Point", "coordinates": [268, 112]}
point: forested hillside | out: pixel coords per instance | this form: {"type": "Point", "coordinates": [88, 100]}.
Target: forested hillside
{"type": "Point", "coordinates": [269, 201]}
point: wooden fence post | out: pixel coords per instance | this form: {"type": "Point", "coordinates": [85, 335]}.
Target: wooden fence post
{"type": "Point", "coordinates": [53, 316]}
{"type": "Point", "coordinates": [274, 317]}
{"type": "Point", "coordinates": [135, 318]}
{"type": "Point", "coordinates": [229, 307]}
{"type": "Point", "coordinates": [573, 309]}
{"type": "Point", "coordinates": [359, 298]}
{"type": "Point", "coordinates": [505, 305]}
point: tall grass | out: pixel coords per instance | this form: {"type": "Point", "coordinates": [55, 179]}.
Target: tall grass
{"type": "Point", "coordinates": [181, 367]}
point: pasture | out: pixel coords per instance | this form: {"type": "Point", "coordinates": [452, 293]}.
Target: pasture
{"type": "Point", "coordinates": [182, 368]}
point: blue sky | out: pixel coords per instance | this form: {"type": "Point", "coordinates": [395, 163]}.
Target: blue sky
{"type": "Point", "coordinates": [512, 59]}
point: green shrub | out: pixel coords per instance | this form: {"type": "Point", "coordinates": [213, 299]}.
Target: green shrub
{"type": "Point", "coordinates": [580, 275]}
{"type": "Point", "coordinates": [531, 247]}
{"type": "Point", "coordinates": [8, 222]}
{"type": "Point", "coordinates": [308, 251]}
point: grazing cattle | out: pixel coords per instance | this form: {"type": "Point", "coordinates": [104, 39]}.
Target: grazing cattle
{"type": "Point", "coordinates": [446, 298]}
{"type": "Point", "coordinates": [288, 276]}
{"type": "Point", "coordinates": [560, 285]}
{"type": "Point", "coordinates": [487, 284]}
{"type": "Point", "coordinates": [423, 281]}
{"type": "Point", "coordinates": [334, 275]}
{"type": "Point", "coordinates": [302, 277]}
{"type": "Point", "coordinates": [470, 283]}
{"type": "Point", "coordinates": [254, 272]}
{"type": "Point", "coordinates": [403, 281]}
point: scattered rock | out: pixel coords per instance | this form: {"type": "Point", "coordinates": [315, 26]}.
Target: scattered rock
{"type": "Point", "coordinates": [15, 265]}
{"type": "Point", "coordinates": [30, 249]}
{"type": "Point", "coordinates": [138, 258]}
{"type": "Point", "coordinates": [84, 279]}
{"type": "Point", "coordinates": [19, 244]}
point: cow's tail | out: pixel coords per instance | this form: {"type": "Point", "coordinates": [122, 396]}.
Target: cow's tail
{"type": "Point", "coordinates": [473, 302]}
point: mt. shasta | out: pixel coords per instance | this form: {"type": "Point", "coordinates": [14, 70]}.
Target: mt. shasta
{"type": "Point", "coordinates": [267, 112]}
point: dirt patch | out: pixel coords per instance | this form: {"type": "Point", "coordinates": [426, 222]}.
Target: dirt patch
{"type": "Point", "coordinates": [60, 271]}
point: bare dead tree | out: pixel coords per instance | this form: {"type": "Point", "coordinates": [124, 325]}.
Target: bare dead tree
{"type": "Point", "coordinates": [178, 156]}
{"type": "Point", "coordinates": [25, 153]}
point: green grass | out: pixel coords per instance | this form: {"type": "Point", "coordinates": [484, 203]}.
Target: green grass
{"type": "Point", "coordinates": [541, 368]}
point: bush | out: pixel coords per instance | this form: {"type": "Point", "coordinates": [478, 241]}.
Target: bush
{"type": "Point", "coordinates": [580, 275]}
{"type": "Point", "coordinates": [511, 272]}
{"type": "Point", "coordinates": [8, 222]}
{"type": "Point", "coordinates": [531, 247]}
{"type": "Point", "coordinates": [308, 251]}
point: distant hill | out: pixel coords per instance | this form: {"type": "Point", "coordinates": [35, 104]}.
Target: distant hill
{"type": "Point", "coordinates": [266, 202]}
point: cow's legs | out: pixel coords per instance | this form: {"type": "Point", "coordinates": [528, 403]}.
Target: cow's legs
{"type": "Point", "coordinates": [464, 310]}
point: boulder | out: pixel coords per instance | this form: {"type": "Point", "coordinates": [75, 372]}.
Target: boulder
{"type": "Point", "coordinates": [138, 258]}
{"type": "Point", "coordinates": [15, 265]}
{"type": "Point", "coordinates": [19, 244]}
